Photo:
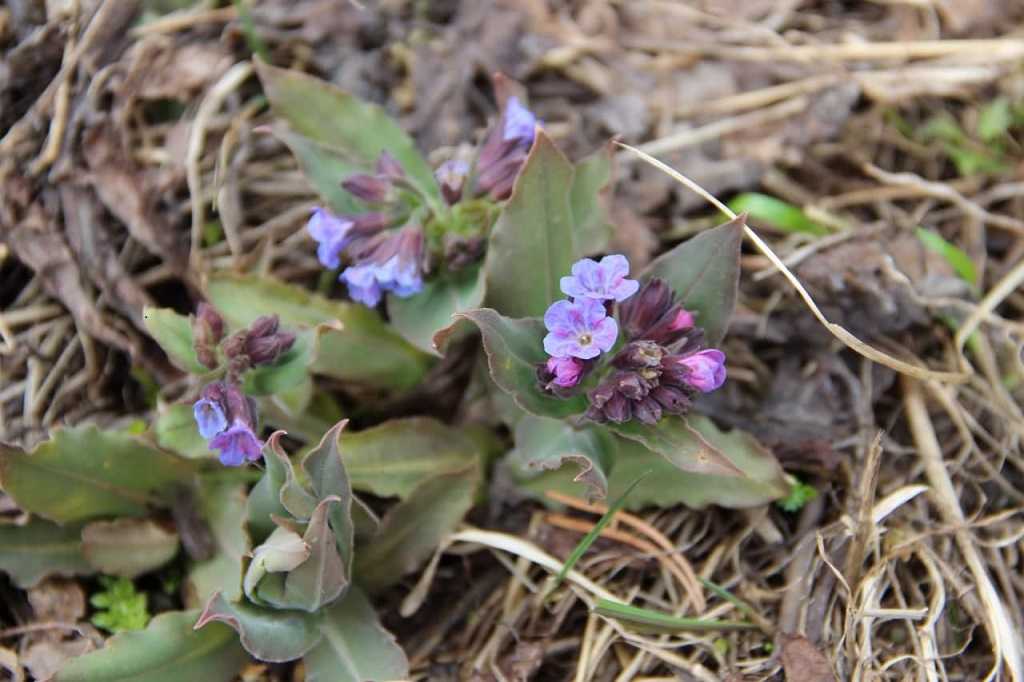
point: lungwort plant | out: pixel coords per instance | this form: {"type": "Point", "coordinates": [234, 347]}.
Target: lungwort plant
{"type": "Point", "coordinates": [596, 369]}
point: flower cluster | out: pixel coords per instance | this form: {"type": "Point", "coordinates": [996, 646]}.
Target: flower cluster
{"type": "Point", "coordinates": [224, 415]}
{"type": "Point", "coordinates": [227, 420]}
{"type": "Point", "coordinates": [388, 246]}
{"type": "Point", "coordinates": [659, 368]}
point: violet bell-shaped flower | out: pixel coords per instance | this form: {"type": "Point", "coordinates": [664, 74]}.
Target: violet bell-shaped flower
{"type": "Point", "coordinates": [391, 263]}
{"type": "Point", "coordinates": [226, 418]}
{"type": "Point", "coordinates": [580, 329]}
{"type": "Point", "coordinates": [237, 445]}
{"type": "Point", "coordinates": [604, 281]}
{"type": "Point", "coordinates": [504, 151]}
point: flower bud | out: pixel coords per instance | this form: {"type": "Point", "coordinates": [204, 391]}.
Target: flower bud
{"type": "Point", "coordinates": [451, 176]}
{"type": "Point", "coordinates": [373, 189]}
{"type": "Point", "coordinates": [264, 325]}
{"type": "Point", "coordinates": [389, 167]}
{"type": "Point", "coordinates": [647, 411]}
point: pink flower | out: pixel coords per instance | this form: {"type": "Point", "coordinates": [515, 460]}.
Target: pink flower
{"type": "Point", "coordinates": [705, 369]}
{"type": "Point", "coordinates": [567, 371]}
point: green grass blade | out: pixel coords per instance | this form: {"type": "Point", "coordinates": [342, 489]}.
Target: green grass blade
{"type": "Point", "coordinates": [663, 622]}
{"type": "Point", "coordinates": [589, 538]}
{"type": "Point", "coordinates": [777, 213]}
{"type": "Point", "coordinates": [960, 261]}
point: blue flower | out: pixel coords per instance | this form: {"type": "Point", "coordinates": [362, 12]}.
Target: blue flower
{"type": "Point", "coordinates": [237, 445]}
{"type": "Point", "coordinates": [331, 234]}
{"type": "Point", "coordinates": [520, 124]}
{"type": "Point", "coordinates": [209, 417]}
{"type": "Point", "coordinates": [393, 264]}
{"type": "Point", "coordinates": [602, 281]}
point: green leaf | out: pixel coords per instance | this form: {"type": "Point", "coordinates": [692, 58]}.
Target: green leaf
{"type": "Point", "coordinates": [759, 480]}
{"type": "Point", "coordinates": [223, 505]}
{"type": "Point", "coordinates": [175, 429]}
{"type": "Point", "coordinates": [799, 495]}
{"type": "Point", "coordinates": [392, 459]}
{"type": "Point", "coordinates": [325, 167]}
{"type": "Point", "coordinates": [533, 245]}
{"type": "Point", "coordinates": [168, 650]}
{"type": "Point", "coordinates": [777, 213]}
{"type": "Point", "coordinates": [956, 257]}
{"type": "Point", "coordinates": [320, 579]}
{"type": "Point", "coordinates": [704, 272]}
{"type": "Point", "coordinates": [83, 473]}
{"type": "Point", "coordinates": [128, 547]}
{"type": "Point", "coordinates": [269, 635]}
{"type": "Point", "coordinates": [544, 445]}
{"type": "Point", "coordinates": [412, 530]}
{"type": "Point", "coordinates": [355, 647]}
{"type": "Point", "coordinates": [40, 549]}
{"type": "Point", "coordinates": [332, 117]}
{"type": "Point", "coordinates": [296, 499]}
{"type": "Point", "coordinates": [174, 334]}
{"type": "Point", "coordinates": [995, 119]}
{"type": "Point", "coordinates": [515, 348]}
{"type": "Point", "coordinates": [342, 331]}
{"type": "Point", "coordinates": [327, 473]}
{"type": "Point", "coordinates": [290, 370]}
{"type": "Point", "coordinates": [426, 319]}
{"type": "Point", "coordinates": [590, 194]}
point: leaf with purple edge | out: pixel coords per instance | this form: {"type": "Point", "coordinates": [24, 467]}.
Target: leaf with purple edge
{"type": "Point", "coordinates": [546, 445]}
{"type": "Point", "coordinates": [40, 549]}
{"type": "Point", "coordinates": [327, 473]}
{"type": "Point", "coordinates": [83, 473]}
{"type": "Point", "coordinates": [322, 577]}
{"type": "Point", "coordinates": [697, 464]}
{"type": "Point", "coordinates": [515, 348]}
{"type": "Point", "coordinates": [267, 634]}
{"type": "Point", "coordinates": [704, 272]}
{"type": "Point", "coordinates": [168, 650]}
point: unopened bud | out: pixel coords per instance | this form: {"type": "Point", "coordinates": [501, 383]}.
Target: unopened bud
{"type": "Point", "coordinates": [373, 189]}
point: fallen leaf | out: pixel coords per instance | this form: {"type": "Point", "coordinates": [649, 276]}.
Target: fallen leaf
{"type": "Point", "coordinates": [803, 662]}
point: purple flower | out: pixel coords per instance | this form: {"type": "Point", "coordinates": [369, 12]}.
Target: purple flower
{"type": "Point", "coordinates": [392, 264]}
{"type": "Point", "coordinates": [602, 281]}
{"type": "Point", "coordinates": [580, 329]}
{"type": "Point", "coordinates": [705, 369]}
{"type": "Point", "coordinates": [331, 234]}
{"type": "Point", "coordinates": [567, 371]}
{"type": "Point", "coordinates": [209, 417]}
{"type": "Point", "coordinates": [520, 124]}
{"type": "Point", "coordinates": [237, 445]}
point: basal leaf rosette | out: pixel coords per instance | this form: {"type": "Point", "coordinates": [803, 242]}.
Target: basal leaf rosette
{"type": "Point", "coordinates": [626, 358]}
